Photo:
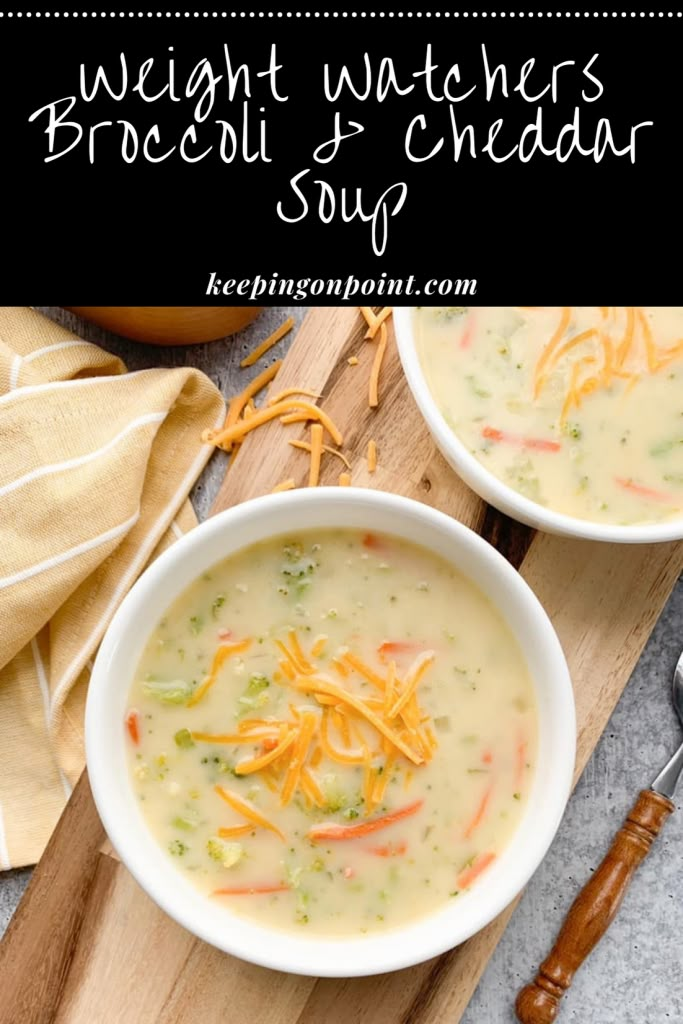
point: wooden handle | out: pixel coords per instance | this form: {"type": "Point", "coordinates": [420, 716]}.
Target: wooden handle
{"type": "Point", "coordinates": [593, 910]}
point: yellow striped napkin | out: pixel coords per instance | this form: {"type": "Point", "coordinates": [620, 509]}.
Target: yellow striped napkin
{"type": "Point", "coordinates": [95, 468]}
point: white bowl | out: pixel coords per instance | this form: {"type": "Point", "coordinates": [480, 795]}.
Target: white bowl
{"type": "Point", "coordinates": [490, 487]}
{"type": "Point", "coordinates": [168, 577]}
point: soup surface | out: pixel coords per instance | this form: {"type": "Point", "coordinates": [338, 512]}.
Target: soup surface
{"type": "Point", "coordinates": [335, 731]}
{"type": "Point", "coordinates": [577, 408]}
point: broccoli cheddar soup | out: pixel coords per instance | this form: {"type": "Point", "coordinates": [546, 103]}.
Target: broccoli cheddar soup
{"type": "Point", "coordinates": [577, 408]}
{"type": "Point", "coordinates": [334, 731]}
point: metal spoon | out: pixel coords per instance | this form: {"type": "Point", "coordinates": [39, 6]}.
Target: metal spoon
{"type": "Point", "coordinates": [597, 904]}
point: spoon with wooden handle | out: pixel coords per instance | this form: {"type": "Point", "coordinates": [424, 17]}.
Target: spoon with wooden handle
{"type": "Point", "coordinates": [596, 906]}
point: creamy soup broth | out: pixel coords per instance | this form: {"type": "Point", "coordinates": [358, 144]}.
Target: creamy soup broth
{"type": "Point", "coordinates": [577, 408]}
{"type": "Point", "coordinates": [340, 832]}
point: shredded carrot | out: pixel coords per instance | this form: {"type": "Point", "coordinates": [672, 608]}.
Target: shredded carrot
{"type": "Point", "coordinates": [255, 764]}
{"type": "Point", "coordinates": [306, 446]}
{"type": "Point", "coordinates": [377, 322]}
{"type": "Point", "coordinates": [316, 454]}
{"type": "Point", "coordinates": [398, 647]}
{"type": "Point", "coordinates": [412, 680]}
{"type": "Point", "coordinates": [538, 444]}
{"type": "Point", "coordinates": [521, 761]}
{"type": "Point", "coordinates": [470, 874]}
{"type": "Point", "coordinates": [268, 343]}
{"type": "Point", "coordinates": [246, 809]}
{"type": "Point", "coordinates": [286, 485]}
{"type": "Point", "coordinates": [133, 726]}
{"type": "Point", "coordinates": [334, 831]}
{"type": "Point", "coordinates": [288, 392]}
{"type": "Point", "coordinates": [344, 479]}
{"type": "Point", "coordinates": [479, 814]}
{"type": "Point", "coordinates": [373, 390]}
{"type": "Point", "coordinates": [234, 831]}
{"type": "Point", "coordinates": [224, 652]}
{"type": "Point", "coordinates": [250, 890]}
{"type": "Point", "coordinates": [390, 850]}
{"type": "Point", "coordinates": [642, 491]}
{"type": "Point", "coordinates": [372, 456]}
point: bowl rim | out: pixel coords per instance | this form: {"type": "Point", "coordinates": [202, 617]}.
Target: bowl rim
{"type": "Point", "coordinates": [276, 948]}
{"type": "Point", "coordinates": [488, 486]}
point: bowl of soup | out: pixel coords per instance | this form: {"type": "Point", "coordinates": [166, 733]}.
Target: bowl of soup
{"type": "Point", "coordinates": [331, 732]}
{"type": "Point", "coordinates": [567, 418]}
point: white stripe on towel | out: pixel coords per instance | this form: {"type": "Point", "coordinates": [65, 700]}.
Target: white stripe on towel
{"type": "Point", "coordinates": [45, 694]}
{"type": "Point", "coordinates": [81, 460]}
{"type": "Point", "coordinates": [66, 556]}
{"type": "Point", "coordinates": [78, 382]}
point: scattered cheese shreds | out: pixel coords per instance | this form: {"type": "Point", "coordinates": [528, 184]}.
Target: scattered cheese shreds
{"type": "Point", "coordinates": [383, 315]}
{"type": "Point", "coordinates": [239, 429]}
{"type": "Point", "coordinates": [344, 479]}
{"type": "Point", "coordinates": [306, 446]}
{"type": "Point", "coordinates": [352, 360]}
{"type": "Point", "coordinates": [286, 485]}
{"type": "Point", "coordinates": [316, 454]}
{"type": "Point", "coordinates": [369, 316]}
{"type": "Point", "coordinates": [372, 456]}
{"type": "Point", "coordinates": [268, 343]}
{"type": "Point", "coordinates": [241, 401]}
{"type": "Point", "coordinates": [373, 394]}
{"type": "Point", "coordinates": [288, 392]}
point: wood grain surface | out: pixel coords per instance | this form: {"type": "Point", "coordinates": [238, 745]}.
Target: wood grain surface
{"type": "Point", "coordinates": [86, 945]}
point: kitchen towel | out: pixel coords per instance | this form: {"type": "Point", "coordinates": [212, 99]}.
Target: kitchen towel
{"type": "Point", "coordinates": [95, 468]}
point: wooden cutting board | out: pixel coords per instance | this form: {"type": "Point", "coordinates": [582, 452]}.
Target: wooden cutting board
{"type": "Point", "coordinates": [87, 946]}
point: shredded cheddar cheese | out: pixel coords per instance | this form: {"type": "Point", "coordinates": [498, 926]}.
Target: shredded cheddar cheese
{"type": "Point", "coordinates": [288, 392]}
{"type": "Point", "coordinates": [377, 322]}
{"type": "Point", "coordinates": [377, 732]}
{"type": "Point", "coordinates": [286, 485]}
{"type": "Point", "coordinates": [306, 446]}
{"type": "Point", "coordinates": [352, 360]}
{"type": "Point", "coordinates": [372, 456]}
{"type": "Point", "coordinates": [373, 394]}
{"type": "Point", "coordinates": [316, 454]}
{"type": "Point", "coordinates": [268, 343]}
{"type": "Point", "coordinates": [344, 479]}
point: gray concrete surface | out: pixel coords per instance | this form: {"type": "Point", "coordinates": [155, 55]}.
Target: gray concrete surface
{"type": "Point", "coordinates": [636, 975]}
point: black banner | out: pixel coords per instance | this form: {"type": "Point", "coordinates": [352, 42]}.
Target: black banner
{"type": "Point", "coordinates": [324, 157]}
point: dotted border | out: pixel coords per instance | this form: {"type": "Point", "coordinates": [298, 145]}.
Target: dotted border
{"type": "Point", "coordinates": [341, 14]}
